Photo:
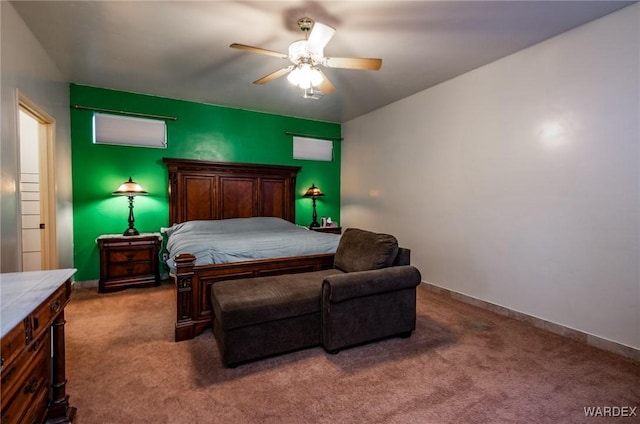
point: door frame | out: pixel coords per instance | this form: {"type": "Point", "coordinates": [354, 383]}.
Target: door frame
{"type": "Point", "coordinates": [50, 258]}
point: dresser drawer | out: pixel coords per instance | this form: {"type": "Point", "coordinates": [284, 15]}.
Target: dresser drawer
{"type": "Point", "coordinates": [43, 314]}
{"type": "Point", "coordinates": [38, 409]}
{"type": "Point", "coordinates": [130, 255]}
{"type": "Point", "coordinates": [11, 346]}
{"type": "Point", "coordinates": [15, 372]}
{"type": "Point", "coordinates": [130, 270]}
{"type": "Point", "coordinates": [21, 397]}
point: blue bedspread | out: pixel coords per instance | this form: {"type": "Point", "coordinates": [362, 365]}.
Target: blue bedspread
{"type": "Point", "coordinates": [245, 239]}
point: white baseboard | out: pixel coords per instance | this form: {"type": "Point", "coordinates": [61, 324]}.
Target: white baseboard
{"type": "Point", "coordinates": [88, 284]}
{"type": "Point", "coordinates": [590, 339]}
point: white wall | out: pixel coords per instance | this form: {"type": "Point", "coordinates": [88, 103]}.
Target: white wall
{"type": "Point", "coordinates": [518, 183]}
{"type": "Point", "coordinates": [26, 67]}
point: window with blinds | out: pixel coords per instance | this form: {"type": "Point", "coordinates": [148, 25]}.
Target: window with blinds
{"type": "Point", "coordinates": [312, 149]}
{"type": "Point", "coordinates": [129, 131]}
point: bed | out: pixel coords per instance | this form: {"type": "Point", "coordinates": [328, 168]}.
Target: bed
{"type": "Point", "coordinates": [209, 195]}
{"type": "Point", "coordinates": [244, 239]}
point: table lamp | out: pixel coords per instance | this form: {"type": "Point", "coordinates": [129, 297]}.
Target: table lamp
{"type": "Point", "coordinates": [314, 192]}
{"type": "Point", "coordinates": [130, 189]}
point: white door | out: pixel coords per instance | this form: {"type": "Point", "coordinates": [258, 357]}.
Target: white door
{"type": "Point", "coordinates": [39, 249]}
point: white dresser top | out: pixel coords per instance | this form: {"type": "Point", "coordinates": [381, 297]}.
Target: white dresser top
{"type": "Point", "coordinates": [22, 292]}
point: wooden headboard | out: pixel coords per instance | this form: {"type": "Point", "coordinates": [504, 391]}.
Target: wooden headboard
{"type": "Point", "coordinates": [218, 190]}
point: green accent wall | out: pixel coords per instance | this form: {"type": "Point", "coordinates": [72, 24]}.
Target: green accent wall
{"type": "Point", "coordinates": [202, 131]}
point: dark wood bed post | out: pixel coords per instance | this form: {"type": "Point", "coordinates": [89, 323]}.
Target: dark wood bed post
{"type": "Point", "coordinates": [190, 320]}
{"type": "Point", "coordinates": [185, 296]}
{"type": "Point", "coordinates": [193, 313]}
{"type": "Point", "coordinates": [173, 192]}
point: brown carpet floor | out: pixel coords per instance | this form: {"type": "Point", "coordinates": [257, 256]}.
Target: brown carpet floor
{"type": "Point", "coordinates": [462, 365]}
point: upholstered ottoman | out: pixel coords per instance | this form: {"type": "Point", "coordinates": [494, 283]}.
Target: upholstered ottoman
{"type": "Point", "coordinates": [258, 317]}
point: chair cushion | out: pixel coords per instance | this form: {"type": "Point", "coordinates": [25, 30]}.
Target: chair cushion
{"type": "Point", "coordinates": [243, 302]}
{"type": "Point", "coordinates": [361, 250]}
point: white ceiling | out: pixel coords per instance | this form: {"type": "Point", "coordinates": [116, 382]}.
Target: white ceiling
{"type": "Point", "coordinates": [180, 49]}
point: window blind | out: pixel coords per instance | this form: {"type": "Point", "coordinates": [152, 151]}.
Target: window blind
{"type": "Point", "coordinates": [129, 131]}
{"type": "Point", "coordinates": [312, 149]}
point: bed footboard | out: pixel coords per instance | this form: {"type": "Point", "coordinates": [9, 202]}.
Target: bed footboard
{"type": "Point", "coordinates": [193, 284]}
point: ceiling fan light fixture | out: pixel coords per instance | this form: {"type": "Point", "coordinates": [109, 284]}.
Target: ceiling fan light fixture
{"type": "Point", "coordinates": [304, 81]}
{"type": "Point", "coordinates": [294, 76]}
{"type": "Point", "coordinates": [305, 76]}
{"type": "Point", "coordinates": [316, 77]}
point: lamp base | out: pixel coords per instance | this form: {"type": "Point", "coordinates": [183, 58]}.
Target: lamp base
{"type": "Point", "coordinates": [131, 232]}
{"type": "Point", "coordinates": [314, 224]}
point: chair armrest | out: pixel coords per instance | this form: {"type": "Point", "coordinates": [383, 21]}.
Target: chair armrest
{"type": "Point", "coordinates": [403, 257]}
{"type": "Point", "coordinates": [340, 287]}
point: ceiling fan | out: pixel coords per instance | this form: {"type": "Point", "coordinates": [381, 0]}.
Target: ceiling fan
{"type": "Point", "coordinates": [307, 56]}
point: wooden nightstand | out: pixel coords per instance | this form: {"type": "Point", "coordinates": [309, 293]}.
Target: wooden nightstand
{"type": "Point", "coordinates": [128, 261]}
{"type": "Point", "coordinates": [332, 230]}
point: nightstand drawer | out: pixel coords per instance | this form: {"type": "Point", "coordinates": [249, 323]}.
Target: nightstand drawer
{"type": "Point", "coordinates": [130, 269]}
{"type": "Point", "coordinates": [129, 255]}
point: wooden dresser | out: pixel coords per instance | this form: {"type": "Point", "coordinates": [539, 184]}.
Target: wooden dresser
{"type": "Point", "coordinates": [32, 347]}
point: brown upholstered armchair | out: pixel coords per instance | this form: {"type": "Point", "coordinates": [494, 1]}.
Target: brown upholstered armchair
{"type": "Point", "coordinates": [374, 298]}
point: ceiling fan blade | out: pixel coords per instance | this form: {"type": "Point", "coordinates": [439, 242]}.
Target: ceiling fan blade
{"type": "Point", "coordinates": [370, 64]}
{"type": "Point", "coordinates": [326, 87]}
{"type": "Point", "coordinates": [319, 37]}
{"type": "Point", "coordinates": [258, 50]}
{"type": "Point", "coordinates": [274, 75]}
